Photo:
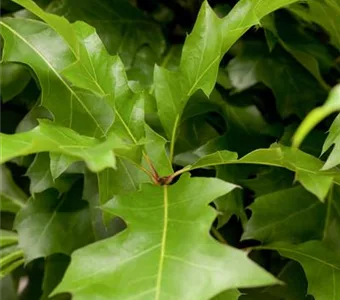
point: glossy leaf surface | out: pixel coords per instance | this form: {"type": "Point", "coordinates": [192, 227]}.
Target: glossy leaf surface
{"type": "Point", "coordinates": [199, 63]}
{"type": "Point", "coordinates": [154, 216]}
{"type": "Point", "coordinates": [331, 105]}
{"type": "Point", "coordinates": [291, 215]}
{"type": "Point", "coordinates": [50, 137]}
{"type": "Point", "coordinates": [51, 221]}
{"type": "Point", "coordinates": [12, 198]}
{"type": "Point", "coordinates": [323, 13]}
{"type": "Point", "coordinates": [48, 57]}
{"type": "Point", "coordinates": [123, 28]}
{"type": "Point", "coordinates": [306, 166]}
{"type": "Point", "coordinates": [314, 255]}
{"type": "Point", "coordinates": [146, 150]}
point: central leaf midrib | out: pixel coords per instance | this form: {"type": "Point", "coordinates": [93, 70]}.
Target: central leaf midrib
{"type": "Point", "coordinates": [55, 72]}
{"type": "Point", "coordinates": [163, 244]}
{"type": "Point", "coordinates": [126, 127]}
{"type": "Point", "coordinates": [103, 93]}
{"type": "Point", "coordinates": [53, 216]}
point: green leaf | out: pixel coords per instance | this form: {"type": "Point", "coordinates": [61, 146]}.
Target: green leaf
{"type": "Point", "coordinates": [331, 105]}
{"type": "Point", "coordinates": [199, 63]}
{"type": "Point", "coordinates": [7, 288]}
{"type": "Point", "coordinates": [311, 145]}
{"type": "Point", "coordinates": [121, 26]}
{"type": "Point", "coordinates": [258, 296]}
{"type": "Point", "coordinates": [321, 265]}
{"type": "Point", "coordinates": [306, 167]}
{"type": "Point", "coordinates": [296, 95]}
{"type": "Point", "coordinates": [38, 46]}
{"type": "Point", "coordinates": [95, 70]}
{"type": "Point", "coordinates": [292, 215]}
{"type": "Point", "coordinates": [242, 69]}
{"type": "Point", "coordinates": [324, 13]}
{"type": "Point", "coordinates": [40, 174]}
{"type": "Point", "coordinates": [228, 295]}
{"type": "Point", "coordinates": [155, 149]}
{"type": "Point", "coordinates": [231, 203]}
{"type": "Point", "coordinates": [193, 133]}
{"type": "Point", "coordinates": [49, 224]}
{"type": "Point", "coordinates": [55, 267]}
{"type": "Point", "coordinates": [269, 180]}
{"type": "Point", "coordinates": [50, 137]}
{"type": "Point", "coordinates": [12, 198]}
{"type": "Point", "coordinates": [332, 138]}
{"type": "Point", "coordinates": [41, 178]}
{"type": "Point", "coordinates": [30, 120]}
{"type": "Point", "coordinates": [295, 287]}
{"type": "Point", "coordinates": [331, 234]}
{"type": "Point", "coordinates": [14, 78]}
{"type": "Point", "coordinates": [91, 195]}
{"type": "Point", "coordinates": [217, 158]}
{"type": "Point", "coordinates": [142, 67]}
{"type": "Point", "coordinates": [59, 24]}
{"type": "Point", "coordinates": [7, 238]}
{"type": "Point", "coordinates": [245, 126]}
{"type": "Point", "coordinates": [242, 116]}
{"type": "Point", "coordinates": [59, 163]}
{"type": "Point", "coordinates": [294, 40]}
{"type": "Point", "coordinates": [105, 75]}
{"type": "Point", "coordinates": [11, 256]}
{"type": "Point", "coordinates": [157, 216]}
{"type": "Point", "coordinates": [124, 179]}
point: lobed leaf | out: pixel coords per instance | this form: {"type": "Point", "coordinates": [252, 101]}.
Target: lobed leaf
{"type": "Point", "coordinates": [59, 24]}
{"type": "Point", "coordinates": [293, 38]}
{"type": "Point", "coordinates": [12, 198]}
{"type": "Point", "coordinates": [49, 225]}
{"type": "Point", "coordinates": [122, 27]}
{"type": "Point", "coordinates": [166, 242]}
{"type": "Point", "coordinates": [296, 95]}
{"type": "Point", "coordinates": [269, 180]}
{"type": "Point", "coordinates": [39, 47]}
{"type": "Point", "coordinates": [306, 167]}
{"type": "Point", "coordinates": [14, 79]}
{"type": "Point", "coordinates": [41, 179]}
{"type": "Point", "coordinates": [202, 52]}
{"type": "Point", "coordinates": [321, 265]}
{"type": "Point", "coordinates": [323, 13]}
{"type": "Point", "coordinates": [103, 74]}
{"type": "Point", "coordinates": [292, 215]}
{"type": "Point", "coordinates": [53, 138]}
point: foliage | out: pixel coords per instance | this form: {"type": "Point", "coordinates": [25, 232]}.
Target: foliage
{"type": "Point", "coordinates": [139, 162]}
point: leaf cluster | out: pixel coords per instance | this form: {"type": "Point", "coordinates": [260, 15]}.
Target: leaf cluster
{"type": "Point", "coordinates": [170, 150]}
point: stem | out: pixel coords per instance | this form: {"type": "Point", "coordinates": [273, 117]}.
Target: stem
{"type": "Point", "coordinates": [181, 171]}
{"type": "Point", "coordinates": [328, 213]}
{"type": "Point", "coordinates": [145, 171]}
{"type": "Point", "coordinates": [139, 167]}
{"type": "Point", "coordinates": [218, 236]}
{"type": "Point", "coordinates": [171, 177]}
{"type": "Point", "coordinates": [173, 138]}
{"type": "Point", "coordinates": [152, 167]}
